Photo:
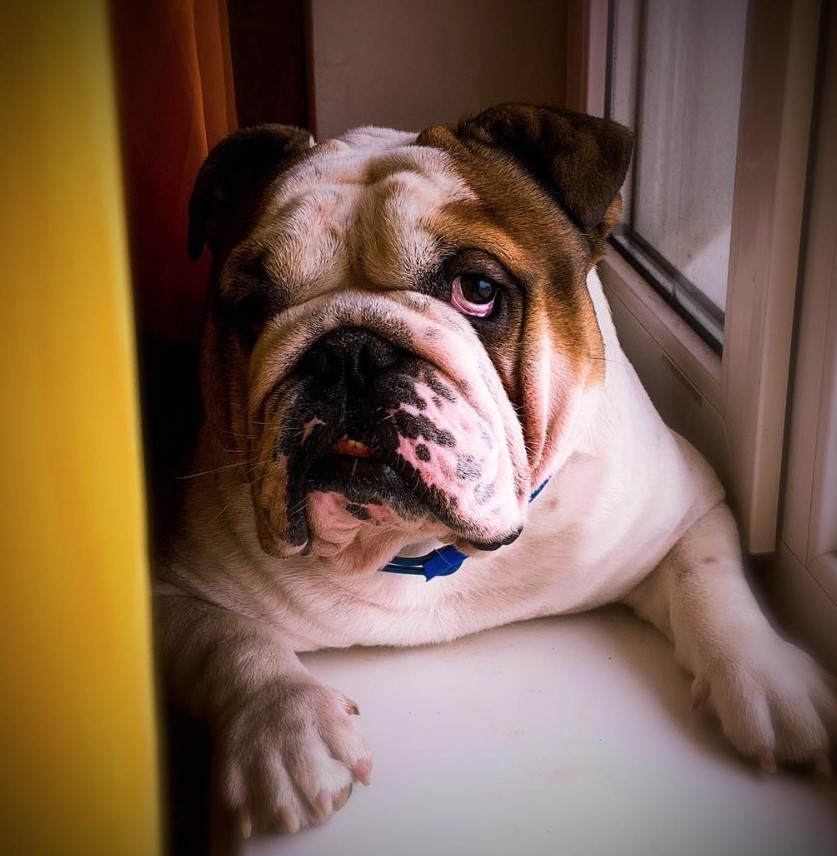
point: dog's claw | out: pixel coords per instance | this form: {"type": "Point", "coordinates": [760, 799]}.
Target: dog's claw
{"type": "Point", "coordinates": [822, 766]}
{"type": "Point", "coordinates": [245, 824]}
{"type": "Point", "coordinates": [700, 693]}
{"type": "Point", "coordinates": [288, 820]}
{"type": "Point", "coordinates": [767, 760]}
{"type": "Point", "coordinates": [342, 797]}
{"type": "Point", "coordinates": [351, 708]}
{"type": "Point", "coordinates": [323, 803]}
{"type": "Point", "coordinates": [362, 771]}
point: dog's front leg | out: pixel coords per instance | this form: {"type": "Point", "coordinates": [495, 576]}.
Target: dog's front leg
{"type": "Point", "coordinates": [774, 702]}
{"type": "Point", "coordinates": [289, 751]}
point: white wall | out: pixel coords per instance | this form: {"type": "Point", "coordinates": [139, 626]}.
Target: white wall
{"type": "Point", "coordinates": [412, 63]}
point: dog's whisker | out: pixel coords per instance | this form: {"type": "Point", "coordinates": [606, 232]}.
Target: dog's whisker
{"type": "Point", "coordinates": [220, 430]}
{"type": "Point", "coordinates": [298, 507]}
{"type": "Point", "coordinates": [219, 515]}
{"type": "Point", "coordinates": [215, 470]}
{"type": "Point", "coordinates": [609, 360]}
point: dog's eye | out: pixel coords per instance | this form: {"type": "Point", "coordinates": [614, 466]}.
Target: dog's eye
{"type": "Point", "coordinates": [473, 294]}
{"type": "Point", "coordinates": [253, 311]}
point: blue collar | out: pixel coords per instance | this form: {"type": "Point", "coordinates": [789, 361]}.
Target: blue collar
{"type": "Point", "coordinates": [441, 562]}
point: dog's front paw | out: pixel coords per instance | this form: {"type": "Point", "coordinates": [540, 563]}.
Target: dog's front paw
{"type": "Point", "coordinates": [290, 756]}
{"type": "Point", "coordinates": [774, 702]}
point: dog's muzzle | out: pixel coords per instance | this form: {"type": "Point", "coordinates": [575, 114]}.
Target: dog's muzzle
{"type": "Point", "coordinates": [383, 420]}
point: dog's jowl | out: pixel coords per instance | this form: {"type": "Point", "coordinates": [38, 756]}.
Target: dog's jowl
{"type": "Point", "coordinates": [406, 338]}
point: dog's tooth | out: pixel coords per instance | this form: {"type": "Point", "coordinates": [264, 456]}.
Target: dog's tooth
{"type": "Point", "coordinates": [348, 446]}
{"type": "Point", "coordinates": [357, 448]}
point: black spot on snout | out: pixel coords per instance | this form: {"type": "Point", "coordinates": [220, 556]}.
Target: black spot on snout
{"type": "Point", "coordinates": [441, 389]}
{"type": "Point", "coordinates": [467, 468]}
{"type": "Point", "coordinates": [415, 425]}
{"type": "Point", "coordinates": [483, 493]}
{"type": "Point", "coordinates": [485, 436]}
{"type": "Point", "coordinates": [402, 389]}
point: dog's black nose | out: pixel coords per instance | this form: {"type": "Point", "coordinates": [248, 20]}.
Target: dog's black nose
{"type": "Point", "coordinates": [352, 356]}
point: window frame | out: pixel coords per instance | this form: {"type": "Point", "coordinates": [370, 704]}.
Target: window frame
{"type": "Point", "coordinates": [804, 571]}
{"type": "Point", "coordinates": [735, 410]}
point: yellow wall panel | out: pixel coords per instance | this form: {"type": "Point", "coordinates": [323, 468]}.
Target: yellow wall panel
{"type": "Point", "coordinates": [77, 727]}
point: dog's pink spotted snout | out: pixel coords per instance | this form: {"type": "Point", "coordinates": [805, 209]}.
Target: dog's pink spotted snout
{"type": "Point", "coordinates": [455, 451]}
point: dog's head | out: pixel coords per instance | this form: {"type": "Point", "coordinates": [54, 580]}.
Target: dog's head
{"type": "Point", "coordinates": [399, 334]}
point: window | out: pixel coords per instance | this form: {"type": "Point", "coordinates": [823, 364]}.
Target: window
{"type": "Point", "coordinates": [675, 77]}
{"type": "Point", "coordinates": [721, 273]}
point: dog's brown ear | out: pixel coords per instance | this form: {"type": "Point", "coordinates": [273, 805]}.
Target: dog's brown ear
{"type": "Point", "coordinates": [582, 160]}
{"type": "Point", "coordinates": [237, 166]}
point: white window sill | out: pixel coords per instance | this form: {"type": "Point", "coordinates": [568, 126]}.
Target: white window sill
{"type": "Point", "coordinates": [570, 735]}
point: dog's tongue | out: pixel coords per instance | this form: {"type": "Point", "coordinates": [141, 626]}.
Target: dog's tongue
{"type": "Point", "coordinates": [353, 448]}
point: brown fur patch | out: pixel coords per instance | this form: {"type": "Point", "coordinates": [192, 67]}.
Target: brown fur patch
{"type": "Point", "coordinates": [515, 219]}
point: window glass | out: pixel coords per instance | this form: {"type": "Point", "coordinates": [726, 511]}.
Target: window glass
{"type": "Point", "coordinates": [674, 77]}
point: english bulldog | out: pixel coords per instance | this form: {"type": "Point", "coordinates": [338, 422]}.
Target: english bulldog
{"type": "Point", "coordinates": [409, 370]}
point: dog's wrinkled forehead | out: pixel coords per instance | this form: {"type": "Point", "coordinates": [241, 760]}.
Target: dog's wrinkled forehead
{"type": "Point", "coordinates": [356, 211]}
{"type": "Point", "coordinates": [364, 206]}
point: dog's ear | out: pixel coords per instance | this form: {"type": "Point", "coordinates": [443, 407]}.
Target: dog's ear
{"type": "Point", "coordinates": [581, 160]}
{"type": "Point", "coordinates": [240, 164]}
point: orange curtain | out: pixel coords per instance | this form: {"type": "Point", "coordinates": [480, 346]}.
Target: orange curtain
{"type": "Point", "coordinates": [176, 100]}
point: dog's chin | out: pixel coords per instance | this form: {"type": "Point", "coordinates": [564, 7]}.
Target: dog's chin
{"type": "Point", "coordinates": [354, 546]}
{"type": "Point", "coordinates": [359, 514]}
{"type": "Point", "coordinates": [354, 532]}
